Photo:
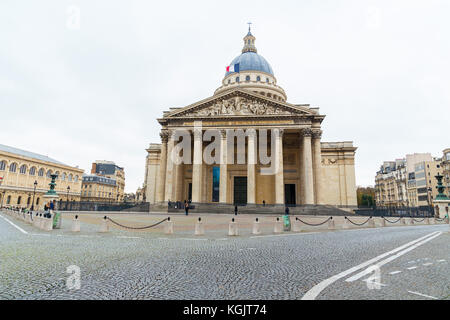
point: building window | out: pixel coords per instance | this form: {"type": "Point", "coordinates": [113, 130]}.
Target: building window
{"type": "Point", "coordinates": [258, 78]}
{"type": "Point", "coordinates": [76, 178]}
{"type": "Point", "coordinates": [63, 177]}
{"type": "Point", "coordinates": [13, 167]}
{"type": "Point", "coordinates": [8, 200]}
{"type": "Point", "coordinates": [32, 171]}
{"type": "Point", "coordinates": [37, 201]}
{"type": "Point", "coordinates": [247, 78]}
{"type": "Point", "coordinates": [41, 172]}
{"type": "Point", "coordinates": [237, 79]}
{"type": "Point", "coordinates": [23, 169]}
{"type": "Point", "coordinates": [3, 165]}
{"type": "Point", "coordinates": [49, 172]}
{"type": "Point", "coordinates": [229, 81]}
{"type": "Point", "coordinates": [267, 80]}
{"type": "Point", "coordinates": [19, 199]}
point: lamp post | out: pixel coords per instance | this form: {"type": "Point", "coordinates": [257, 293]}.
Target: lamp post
{"type": "Point", "coordinates": [4, 192]}
{"type": "Point", "coordinates": [67, 200]}
{"type": "Point", "coordinates": [34, 193]}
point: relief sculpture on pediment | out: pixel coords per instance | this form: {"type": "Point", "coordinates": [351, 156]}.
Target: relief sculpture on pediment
{"type": "Point", "coordinates": [240, 106]}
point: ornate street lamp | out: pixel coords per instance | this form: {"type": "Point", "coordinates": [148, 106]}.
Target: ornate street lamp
{"type": "Point", "coordinates": [34, 193]}
{"type": "Point", "coordinates": [4, 192]}
{"type": "Point", "coordinates": [67, 200]}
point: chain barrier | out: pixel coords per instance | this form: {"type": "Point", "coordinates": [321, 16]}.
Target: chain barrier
{"type": "Point", "coordinates": [313, 224]}
{"type": "Point", "coordinates": [136, 228]}
{"type": "Point", "coordinates": [416, 220]}
{"type": "Point", "coordinates": [439, 219]}
{"type": "Point", "coordinates": [358, 224]}
{"type": "Point", "coordinates": [392, 221]}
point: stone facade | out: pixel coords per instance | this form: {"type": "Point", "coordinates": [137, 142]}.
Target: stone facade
{"type": "Point", "coordinates": [97, 188]}
{"type": "Point", "coordinates": [308, 171]}
{"type": "Point", "coordinates": [20, 169]}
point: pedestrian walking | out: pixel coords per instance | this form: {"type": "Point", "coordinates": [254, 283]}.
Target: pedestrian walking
{"type": "Point", "coordinates": [186, 207]}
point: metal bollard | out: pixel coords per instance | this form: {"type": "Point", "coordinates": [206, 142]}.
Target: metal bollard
{"type": "Point", "coordinates": [346, 224]}
{"type": "Point", "coordinates": [383, 222]}
{"type": "Point", "coordinates": [256, 227]}
{"type": "Point", "coordinates": [296, 227]}
{"type": "Point", "coordinates": [36, 220]}
{"type": "Point", "coordinates": [75, 224]}
{"type": "Point", "coordinates": [104, 227]}
{"type": "Point", "coordinates": [402, 221]}
{"type": "Point", "coordinates": [331, 224]}
{"type": "Point", "coordinates": [28, 219]}
{"type": "Point", "coordinates": [278, 228]}
{"type": "Point", "coordinates": [168, 227]}
{"type": "Point", "coordinates": [371, 222]}
{"type": "Point", "coordinates": [199, 230]}
{"type": "Point", "coordinates": [232, 228]}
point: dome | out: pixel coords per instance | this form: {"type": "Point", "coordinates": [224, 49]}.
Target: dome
{"type": "Point", "coordinates": [251, 61]}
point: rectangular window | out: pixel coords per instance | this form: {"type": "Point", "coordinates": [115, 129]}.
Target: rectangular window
{"type": "Point", "coordinates": [215, 184]}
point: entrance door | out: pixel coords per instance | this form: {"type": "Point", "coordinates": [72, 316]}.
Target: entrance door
{"type": "Point", "coordinates": [190, 192]}
{"type": "Point", "coordinates": [289, 194]}
{"type": "Point", "coordinates": [240, 190]}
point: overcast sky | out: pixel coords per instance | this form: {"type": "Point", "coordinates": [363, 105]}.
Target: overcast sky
{"type": "Point", "coordinates": [379, 71]}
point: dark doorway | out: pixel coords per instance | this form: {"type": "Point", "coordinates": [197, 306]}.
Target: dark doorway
{"type": "Point", "coordinates": [190, 192]}
{"type": "Point", "coordinates": [240, 190]}
{"type": "Point", "coordinates": [289, 194]}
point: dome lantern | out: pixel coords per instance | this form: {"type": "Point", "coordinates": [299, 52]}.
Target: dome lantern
{"type": "Point", "coordinates": [249, 42]}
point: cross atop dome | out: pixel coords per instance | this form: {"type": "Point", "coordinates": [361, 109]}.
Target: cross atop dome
{"type": "Point", "coordinates": [249, 41]}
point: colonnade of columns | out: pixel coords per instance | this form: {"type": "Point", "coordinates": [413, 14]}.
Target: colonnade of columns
{"type": "Point", "coordinates": [170, 176]}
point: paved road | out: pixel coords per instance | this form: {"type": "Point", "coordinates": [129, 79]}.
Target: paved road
{"type": "Point", "coordinates": [124, 265]}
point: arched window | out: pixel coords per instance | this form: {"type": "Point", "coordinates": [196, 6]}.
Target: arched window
{"type": "Point", "coordinates": [37, 201]}
{"type": "Point", "coordinates": [237, 79]}
{"type": "Point", "coordinates": [28, 201]}
{"type": "Point", "coordinates": [2, 165]}
{"type": "Point", "coordinates": [23, 169]}
{"type": "Point", "coordinates": [63, 177]}
{"type": "Point", "coordinates": [8, 200]}
{"type": "Point", "coordinates": [58, 175]}
{"type": "Point", "coordinates": [247, 78]}
{"type": "Point", "coordinates": [258, 78]}
{"type": "Point", "coordinates": [70, 177]}
{"type": "Point", "coordinates": [76, 178]}
{"type": "Point", "coordinates": [13, 167]}
{"type": "Point", "coordinates": [49, 172]}
{"type": "Point", "coordinates": [229, 81]}
{"type": "Point", "coordinates": [267, 80]}
{"type": "Point", "coordinates": [32, 171]}
{"type": "Point", "coordinates": [19, 199]}
{"type": "Point", "coordinates": [41, 172]}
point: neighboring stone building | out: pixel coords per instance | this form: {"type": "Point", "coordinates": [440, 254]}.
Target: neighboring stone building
{"type": "Point", "coordinates": [20, 169]}
{"type": "Point", "coordinates": [390, 184]}
{"type": "Point", "coordinates": [408, 182]}
{"type": "Point", "coordinates": [446, 170]}
{"type": "Point", "coordinates": [98, 188]}
{"type": "Point", "coordinates": [308, 171]}
{"type": "Point", "coordinates": [110, 170]}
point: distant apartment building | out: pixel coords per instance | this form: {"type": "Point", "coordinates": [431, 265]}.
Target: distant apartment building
{"type": "Point", "coordinates": [98, 188]}
{"type": "Point", "coordinates": [110, 170]}
{"type": "Point", "coordinates": [410, 181]}
{"type": "Point", "coordinates": [446, 170]}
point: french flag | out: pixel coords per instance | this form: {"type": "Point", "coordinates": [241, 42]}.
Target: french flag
{"type": "Point", "coordinates": [233, 68]}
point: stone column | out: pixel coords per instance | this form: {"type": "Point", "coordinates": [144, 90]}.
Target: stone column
{"type": "Point", "coordinates": [197, 170]}
{"type": "Point", "coordinates": [279, 171]}
{"type": "Point", "coordinates": [223, 168]}
{"type": "Point", "coordinates": [170, 169]}
{"type": "Point", "coordinates": [251, 167]}
{"type": "Point", "coordinates": [179, 182]}
{"type": "Point", "coordinates": [317, 164]}
{"type": "Point", "coordinates": [161, 179]}
{"type": "Point", "coordinates": [308, 180]}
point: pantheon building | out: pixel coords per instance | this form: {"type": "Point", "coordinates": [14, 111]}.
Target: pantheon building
{"type": "Point", "coordinates": [310, 171]}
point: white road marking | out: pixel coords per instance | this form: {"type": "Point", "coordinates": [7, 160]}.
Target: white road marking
{"type": "Point", "coordinates": [395, 272]}
{"type": "Point", "coordinates": [395, 256]}
{"type": "Point", "coordinates": [251, 248]}
{"type": "Point", "coordinates": [374, 282]}
{"type": "Point", "coordinates": [442, 260]}
{"type": "Point", "coordinates": [423, 295]}
{"type": "Point", "coordinates": [163, 238]}
{"type": "Point", "coordinates": [193, 239]}
{"type": "Point", "coordinates": [14, 225]}
{"type": "Point", "coordinates": [411, 268]}
{"type": "Point", "coordinates": [428, 264]}
{"type": "Point", "coordinates": [317, 289]}
{"type": "Point", "coordinates": [40, 234]}
{"type": "Point", "coordinates": [222, 239]}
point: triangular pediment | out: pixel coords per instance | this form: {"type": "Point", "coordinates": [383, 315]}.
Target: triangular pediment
{"type": "Point", "coordinates": [239, 103]}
